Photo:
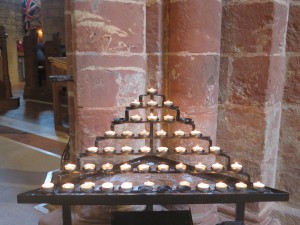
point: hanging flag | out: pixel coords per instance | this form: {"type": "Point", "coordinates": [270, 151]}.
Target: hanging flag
{"type": "Point", "coordinates": [29, 9]}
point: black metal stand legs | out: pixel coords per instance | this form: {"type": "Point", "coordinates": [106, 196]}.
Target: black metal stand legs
{"type": "Point", "coordinates": [67, 216]}
{"type": "Point", "coordinates": [240, 211]}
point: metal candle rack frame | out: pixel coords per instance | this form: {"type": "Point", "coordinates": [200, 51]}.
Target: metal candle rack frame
{"type": "Point", "coordinates": [152, 137]}
{"type": "Point", "coordinates": [150, 198]}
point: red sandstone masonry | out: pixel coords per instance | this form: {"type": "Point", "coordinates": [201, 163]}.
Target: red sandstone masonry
{"type": "Point", "coordinates": [192, 68]}
{"type": "Point", "coordinates": [97, 61]}
{"type": "Point", "coordinates": [252, 79]}
{"type": "Point", "coordinates": [254, 27]}
{"type": "Point", "coordinates": [109, 64]}
{"type": "Point", "coordinates": [193, 80]}
{"type": "Point", "coordinates": [154, 26]}
{"type": "Point", "coordinates": [154, 43]}
{"type": "Point", "coordinates": [108, 88]}
{"type": "Point", "coordinates": [292, 83]}
{"type": "Point", "coordinates": [293, 34]}
{"type": "Point", "coordinates": [109, 26]}
{"type": "Point", "coordinates": [154, 71]}
{"type": "Point", "coordinates": [256, 81]}
{"type": "Point", "coordinates": [288, 159]}
{"type": "Point", "coordinates": [195, 26]}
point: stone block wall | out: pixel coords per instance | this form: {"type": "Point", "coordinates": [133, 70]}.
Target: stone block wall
{"type": "Point", "coordinates": [11, 18]}
{"type": "Point", "coordinates": [53, 19]}
{"type": "Point", "coordinates": [289, 152]}
{"type": "Point", "coordinates": [258, 119]}
{"type": "Point", "coordinates": [192, 60]}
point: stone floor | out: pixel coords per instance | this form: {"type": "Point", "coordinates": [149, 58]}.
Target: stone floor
{"type": "Point", "coordinates": [30, 147]}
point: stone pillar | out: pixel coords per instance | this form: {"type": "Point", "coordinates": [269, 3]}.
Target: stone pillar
{"type": "Point", "coordinates": [288, 155]}
{"type": "Point", "coordinates": [192, 49]}
{"type": "Point", "coordinates": [251, 87]}
{"type": "Point", "coordinates": [70, 71]}
{"type": "Point", "coordinates": [109, 69]}
{"type": "Point", "coordinates": [53, 19]}
{"type": "Point", "coordinates": [109, 63]}
{"type": "Point", "coordinates": [154, 43]}
{"type": "Point", "coordinates": [192, 66]}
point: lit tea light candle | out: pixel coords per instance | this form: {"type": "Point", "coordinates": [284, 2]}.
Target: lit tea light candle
{"type": "Point", "coordinates": [125, 167]}
{"type": "Point", "coordinates": [90, 183]}
{"type": "Point", "coordinates": [168, 118]}
{"type": "Point", "coordinates": [168, 103]}
{"type": "Point", "coordinates": [127, 133]}
{"type": "Point", "coordinates": [152, 103]}
{"type": "Point", "coordinates": [107, 186]}
{"type": "Point", "coordinates": [163, 167]}
{"type": "Point", "coordinates": [135, 103]}
{"type": "Point", "coordinates": [47, 187]}
{"type": "Point", "coordinates": [144, 133]}
{"type": "Point", "coordinates": [162, 149]}
{"type": "Point", "coordinates": [220, 186]}
{"type": "Point", "coordinates": [200, 167]}
{"type": "Point", "coordinates": [126, 186]}
{"type": "Point", "coordinates": [185, 183]}
{"type": "Point", "coordinates": [195, 133]}
{"type": "Point", "coordinates": [236, 167]}
{"type": "Point", "coordinates": [70, 167]}
{"type": "Point", "coordinates": [87, 187]}
{"type": "Point", "coordinates": [203, 187]}
{"type": "Point", "coordinates": [136, 118]}
{"type": "Point", "coordinates": [149, 184]}
{"type": "Point", "coordinates": [145, 149]}
{"type": "Point", "coordinates": [126, 149]}
{"type": "Point", "coordinates": [217, 167]}
{"type": "Point", "coordinates": [89, 167]}
{"type": "Point", "coordinates": [180, 167]}
{"type": "Point", "coordinates": [151, 91]}
{"type": "Point", "coordinates": [110, 133]}
{"type": "Point", "coordinates": [215, 149]}
{"type": "Point", "coordinates": [241, 186]}
{"type": "Point", "coordinates": [92, 149]}
{"type": "Point", "coordinates": [152, 118]}
{"type": "Point", "coordinates": [67, 187]}
{"type": "Point", "coordinates": [143, 168]}
{"type": "Point", "coordinates": [109, 149]}
{"type": "Point", "coordinates": [258, 186]}
{"type": "Point", "coordinates": [107, 167]}
{"type": "Point", "coordinates": [161, 133]}
{"type": "Point", "coordinates": [179, 133]}
{"type": "Point", "coordinates": [180, 149]}
{"type": "Point", "coordinates": [197, 149]}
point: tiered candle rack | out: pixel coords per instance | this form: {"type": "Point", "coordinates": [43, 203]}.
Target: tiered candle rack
{"type": "Point", "coordinates": [142, 194]}
{"type": "Point", "coordinates": [150, 156]}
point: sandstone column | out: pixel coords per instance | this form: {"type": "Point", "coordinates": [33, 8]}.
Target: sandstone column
{"type": "Point", "coordinates": [251, 86]}
{"type": "Point", "coordinates": [289, 150]}
{"type": "Point", "coordinates": [192, 52]}
{"type": "Point", "coordinates": [154, 43]}
{"type": "Point", "coordinates": [106, 54]}
{"type": "Point", "coordinates": [108, 64]}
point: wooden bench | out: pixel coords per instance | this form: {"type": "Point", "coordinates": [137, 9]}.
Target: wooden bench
{"type": "Point", "coordinates": [7, 102]}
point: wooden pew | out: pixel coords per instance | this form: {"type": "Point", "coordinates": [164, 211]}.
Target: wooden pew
{"type": "Point", "coordinates": [60, 85]}
{"type": "Point", "coordinates": [37, 83]}
{"type": "Point", "coordinates": [7, 102]}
